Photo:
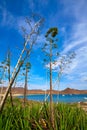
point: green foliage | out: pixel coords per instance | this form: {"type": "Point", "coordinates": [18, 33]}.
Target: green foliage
{"type": "Point", "coordinates": [21, 62]}
{"type": "Point", "coordinates": [52, 31]}
{"type": "Point", "coordinates": [50, 46]}
{"type": "Point", "coordinates": [28, 66]}
{"type": "Point", "coordinates": [32, 117]}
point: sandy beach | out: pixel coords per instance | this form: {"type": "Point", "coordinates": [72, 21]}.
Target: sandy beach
{"type": "Point", "coordinates": [14, 95]}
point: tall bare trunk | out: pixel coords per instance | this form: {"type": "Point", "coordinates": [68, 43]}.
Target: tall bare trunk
{"type": "Point", "coordinates": [25, 88]}
{"type": "Point", "coordinates": [7, 91]}
{"type": "Point", "coordinates": [14, 74]}
{"type": "Point", "coordinates": [9, 63]}
{"type": "Point", "coordinates": [51, 99]}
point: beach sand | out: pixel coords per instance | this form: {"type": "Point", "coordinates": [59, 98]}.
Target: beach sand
{"type": "Point", "coordinates": [14, 95]}
{"type": "Point", "coordinates": [83, 105]}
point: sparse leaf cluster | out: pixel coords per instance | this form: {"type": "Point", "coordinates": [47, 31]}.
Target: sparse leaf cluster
{"type": "Point", "coordinates": [52, 31]}
{"type": "Point", "coordinates": [65, 62]}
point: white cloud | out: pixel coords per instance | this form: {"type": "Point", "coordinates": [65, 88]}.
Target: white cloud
{"type": "Point", "coordinates": [74, 85]}
{"type": "Point", "coordinates": [7, 19]}
{"type": "Point", "coordinates": [11, 21]}
{"type": "Point", "coordinates": [31, 5]}
{"type": "Point", "coordinates": [78, 67]}
{"type": "Point", "coordinates": [37, 86]}
{"type": "Point", "coordinates": [78, 37]}
{"type": "Point", "coordinates": [76, 8]}
{"type": "Point", "coordinates": [84, 78]}
{"type": "Point", "coordinates": [77, 42]}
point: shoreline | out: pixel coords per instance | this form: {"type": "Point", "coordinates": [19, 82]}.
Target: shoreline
{"type": "Point", "coordinates": [81, 104]}
{"type": "Point", "coordinates": [20, 91]}
{"type": "Point", "coordinates": [14, 95]}
{"type": "Point", "coordinates": [21, 94]}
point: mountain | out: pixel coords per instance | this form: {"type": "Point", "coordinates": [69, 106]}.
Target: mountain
{"type": "Point", "coordinates": [20, 90]}
{"type": "Point", "coordinates": [73, 91]}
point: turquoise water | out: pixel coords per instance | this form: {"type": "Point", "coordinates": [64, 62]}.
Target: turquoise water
{"type": "Point", "coordinates": [58, 98]}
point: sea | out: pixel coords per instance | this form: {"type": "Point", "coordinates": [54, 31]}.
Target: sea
{"type": "Point", "coordinates": [67, 98]}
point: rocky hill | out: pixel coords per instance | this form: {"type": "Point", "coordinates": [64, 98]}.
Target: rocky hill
{"type": "Point", "coordinates": [20, 90]}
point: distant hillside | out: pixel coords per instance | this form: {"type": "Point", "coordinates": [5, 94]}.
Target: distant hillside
{"type": "Point", "coordinates": [20, 90]}
{"type": "Point", "coordinates": [73, 91]}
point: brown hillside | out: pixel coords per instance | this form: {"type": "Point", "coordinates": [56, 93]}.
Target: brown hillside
{"type": "Point", "coordinates": [20, 90]}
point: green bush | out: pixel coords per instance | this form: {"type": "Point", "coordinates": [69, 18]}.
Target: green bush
{"type": "Point", "coordinates": [37, 117]}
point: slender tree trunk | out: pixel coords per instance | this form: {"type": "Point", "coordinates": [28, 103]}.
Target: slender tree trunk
{"type": "Point", "coordinates": [7, 90]}
{"type": "Point", "coordinates": [58, 88]}
{"type": "Point", "coordinates": [25, 88]}
{"type": "Point", "coordinates": [9, 78]}
{"type": "Point", "coordinates": [51, 99]}
{"type": "Point", "coordinates": [50, 87]}
{"type": "Point", "coordinates": [16, 71]}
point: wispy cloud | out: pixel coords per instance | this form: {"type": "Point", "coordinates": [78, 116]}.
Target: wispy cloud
{"type": "Point", "coordinates": [75, 39]}
{"type": "Point", "coordinates": [75, 9]}
{"type": "Point", "coordinates": [7, 19]}
{"type": "Point", "coordinates": [78, 67]}
{"type": "Point", "coordinates": [39, 5]}
{"type": "Point", "coordinates": [72, 22]}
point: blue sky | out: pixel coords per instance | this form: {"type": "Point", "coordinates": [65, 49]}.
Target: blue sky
{"type": "Point", "coordinates": [70, 16]}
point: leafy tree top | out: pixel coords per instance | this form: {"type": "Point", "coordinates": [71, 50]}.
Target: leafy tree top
{"type": "Point", "coordinates": [52, 31]}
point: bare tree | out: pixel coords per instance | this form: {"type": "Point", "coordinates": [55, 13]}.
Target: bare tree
{"type": "Point", "coordinates": [26, 69]}
{"type": "Point", "coordinates": [2, 74]}
{"type": "Point", "coordinates": [29, 41]}
{"type": "Point", "coordinates": [8, 64]}
{"type": "Point", "coordinates": [50, 49]}
{"type": "Point", "coordinates": [3, 68]}
{"type": "Point", "coordinates": [61, 65]}
{"type": "Point", "coordinates": [6, 70]}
